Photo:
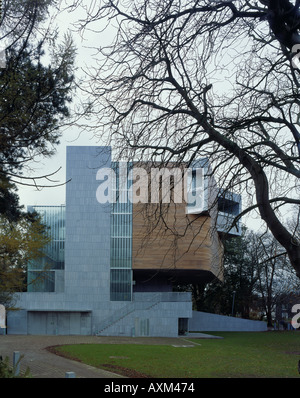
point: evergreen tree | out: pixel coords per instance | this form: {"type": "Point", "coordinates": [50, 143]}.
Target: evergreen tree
{"type": "Point", "coordinates": [36, 82]}
{"type": "Point", "coordinates": [34, 96]}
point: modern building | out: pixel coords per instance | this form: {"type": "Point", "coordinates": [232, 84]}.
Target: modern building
{"type": "Point", "coordinates": [119, 249]}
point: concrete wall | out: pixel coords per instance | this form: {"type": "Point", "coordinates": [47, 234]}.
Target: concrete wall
{"type": "Point", "coordinates": [87, 244]}
{"type": "Point", "coordinates": [87, 249]}
{"type": "Point", "coordinates": [206, 322]}
{"type": "Point", "coordinates": [17, 322]}
{"type": "Point", "coordinates": [161, 320]}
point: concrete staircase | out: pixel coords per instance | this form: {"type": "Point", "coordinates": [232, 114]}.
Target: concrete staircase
{"type": "Point", "coordinates": [126, 310]}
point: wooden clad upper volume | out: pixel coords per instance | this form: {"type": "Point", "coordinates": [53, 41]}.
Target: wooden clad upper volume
{"type": "Point", "coordinates": [166, 238]}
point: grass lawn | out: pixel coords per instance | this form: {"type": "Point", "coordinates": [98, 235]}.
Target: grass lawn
{"type": "Point", "coordinates": [264, 354]}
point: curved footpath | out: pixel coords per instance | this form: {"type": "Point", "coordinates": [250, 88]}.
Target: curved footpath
{"type": "Point", "coordinates": [44, 364]}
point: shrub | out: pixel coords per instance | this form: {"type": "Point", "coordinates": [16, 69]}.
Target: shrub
{"type": "Point", "coordinates": [7, 371]}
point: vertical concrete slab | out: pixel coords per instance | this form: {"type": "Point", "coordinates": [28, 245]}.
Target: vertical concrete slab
{"type": "Point", "coordinates": [87, 247]}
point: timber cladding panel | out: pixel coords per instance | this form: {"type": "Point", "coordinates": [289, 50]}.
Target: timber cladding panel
{"type": "Point", "coordinates": [165, 237]}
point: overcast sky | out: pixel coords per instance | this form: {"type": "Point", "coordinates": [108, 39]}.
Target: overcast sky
{"type": "Point", "coordinates": [71, 136]}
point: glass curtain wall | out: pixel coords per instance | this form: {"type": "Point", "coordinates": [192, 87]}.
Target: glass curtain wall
{"type": "Point", "coordinates": [41, 272]}
{"type": "Point", "coordinates": [121, 236]}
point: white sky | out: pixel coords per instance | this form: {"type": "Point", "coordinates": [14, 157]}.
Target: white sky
{"type": "Point", "coordinates": [70, 136]}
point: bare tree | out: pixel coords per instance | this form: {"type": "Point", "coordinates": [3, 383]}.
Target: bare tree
{"type": "Point", "coordinates": [275, 277]}
{"type": "Point", "coordinates": [202, 78]}
{"type": "Point", "coordinates": [257, 278]}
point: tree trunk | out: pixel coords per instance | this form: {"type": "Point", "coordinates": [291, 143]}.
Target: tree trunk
{"type": "Point", "coordinates": [260, 180]}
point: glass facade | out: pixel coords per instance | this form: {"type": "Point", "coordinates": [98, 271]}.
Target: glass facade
{"type": "Point", "coordinates": [42, 272]}
{"type": "Point", "coordinates": [121, 236]}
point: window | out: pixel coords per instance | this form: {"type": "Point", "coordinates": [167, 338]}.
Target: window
{"type": "Point", "coordinates": [42, 270]}
{"type": "Point", "coordinates": [121, 243]}
{"type": "Point", "coordinates": [41, 281]}
{"type": "Point", "coordinates": [120, 284]}
{"type": "Point", "coordinates": [228, 206]}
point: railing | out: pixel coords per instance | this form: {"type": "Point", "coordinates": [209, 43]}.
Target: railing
{"type": "Point", "coordinates": [143, 301]}
{"type": "Point", "coordinates": [115, 317]}
{"type": "Point", "coordinates": [163, 296]}
{"type": "Point", "coordinates": [224, 224]}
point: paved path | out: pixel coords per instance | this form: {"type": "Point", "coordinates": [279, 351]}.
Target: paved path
{"type": "Point", "coordinates": [44, 364]}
